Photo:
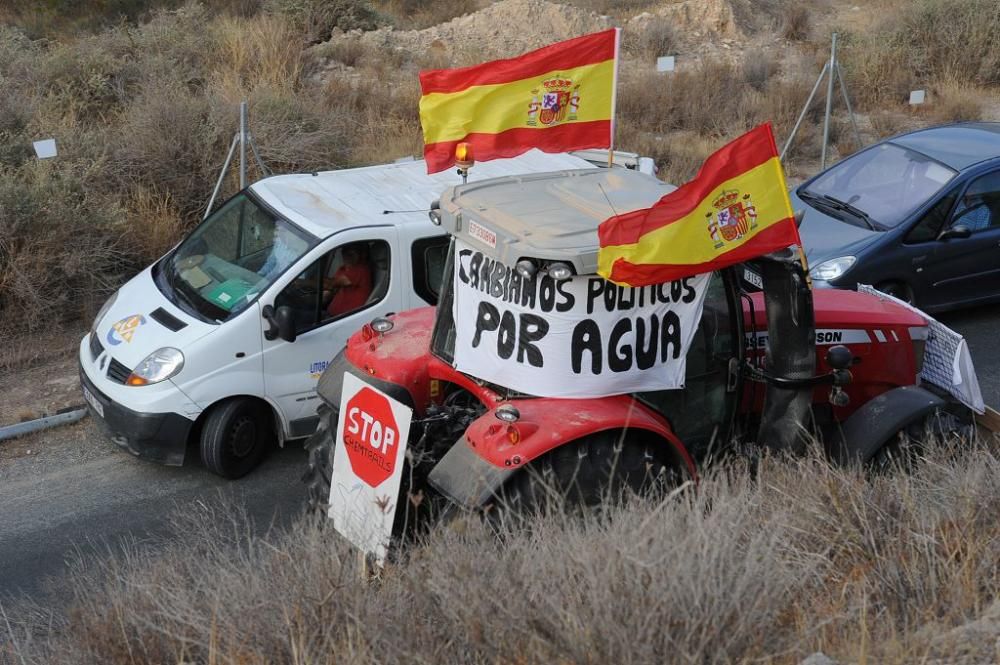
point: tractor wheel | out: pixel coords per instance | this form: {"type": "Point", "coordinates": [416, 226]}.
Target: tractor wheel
{"type": "Point", "coordinates": [235, 438]}
{"type": "Point", "coordinates": [319, 447]}
{"type": "Point", "coordinates": [906, 448]}
{"type": "Point", "coordinates": [589, 473]}
{"type": "Point", "coordinates": [897, 290]}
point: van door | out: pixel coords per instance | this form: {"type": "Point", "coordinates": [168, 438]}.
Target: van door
{"type": "Point", "coordinates": [355, 278]}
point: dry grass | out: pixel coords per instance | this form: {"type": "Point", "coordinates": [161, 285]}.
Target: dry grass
{"type": "Point", "coordinates": [420, 14]}
{"type": "Point", "coordinates": [925, 40]}
{"type": "Point", "coordinates": [801, 558]}
{"type": "Point", "coordinates": [796, 26]}
{"type": "Point", "coordinates": [954, 102]}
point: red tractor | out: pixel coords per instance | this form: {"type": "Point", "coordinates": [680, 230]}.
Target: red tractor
{"type": "Point", "coordinates": [775, 363]}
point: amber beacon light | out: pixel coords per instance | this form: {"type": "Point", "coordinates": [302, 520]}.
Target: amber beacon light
{"type": "Point", "coordinates": [464, 159]}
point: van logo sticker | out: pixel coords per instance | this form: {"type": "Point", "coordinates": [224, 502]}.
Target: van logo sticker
{"type": "Point", "coordinates": [317, 368]}
{"type": "Point", "coordinates": [122, 331]}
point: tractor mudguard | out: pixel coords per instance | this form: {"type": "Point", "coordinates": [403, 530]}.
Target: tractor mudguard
{"type": "Point", "coordinates": [491, 450]}
{"type": "Point", "coordinates": [868, 428]}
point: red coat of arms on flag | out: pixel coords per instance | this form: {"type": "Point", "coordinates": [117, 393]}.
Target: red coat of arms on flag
{"type": "Point", "coordinates": [559, 102]}
{"type": "Point", "coordinates": [732, 218]}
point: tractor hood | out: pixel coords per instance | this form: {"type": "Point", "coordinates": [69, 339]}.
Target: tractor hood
{"type": "Point", "coordinates": [835, 308]}
{"type": "Point", "coordinates": [142, 320]}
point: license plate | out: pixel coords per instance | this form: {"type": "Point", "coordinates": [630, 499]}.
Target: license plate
{"type": "Point", "coordinates": [92, 401]}
{"type": "Point", "coordinates": [752, 278]}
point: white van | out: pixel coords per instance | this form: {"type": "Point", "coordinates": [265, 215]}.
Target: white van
{"type": "Point", "coordinates": [222, 340]}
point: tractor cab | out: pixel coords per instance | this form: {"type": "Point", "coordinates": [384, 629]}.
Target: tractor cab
{"type": "Point", "coordinates": [555, 240]}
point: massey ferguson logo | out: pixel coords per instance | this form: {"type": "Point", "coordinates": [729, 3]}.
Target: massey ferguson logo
{"type": "Point", "coordinates": [555, 100]}
{"type": "Point", "coordinates": [734, 217]}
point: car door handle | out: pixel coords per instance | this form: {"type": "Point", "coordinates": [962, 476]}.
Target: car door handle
{"type": "Point", "coordinates": [919, 259]}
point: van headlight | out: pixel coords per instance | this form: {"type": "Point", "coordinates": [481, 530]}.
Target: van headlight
{"type": "Point", "coordinates": [158, 366]}
{"type": "Point", "coordinates": [101, 312]}
{"type": "Point", "coordinates": [832, 269]}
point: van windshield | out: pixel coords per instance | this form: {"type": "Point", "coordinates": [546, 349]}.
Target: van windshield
{"type": "Point", "coordinates": [231, 258]}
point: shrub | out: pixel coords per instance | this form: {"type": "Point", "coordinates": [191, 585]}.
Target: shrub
{"type": "Point", "coordinates": [317, 19]}
{"type": "Point", "coordinates": [656, 37]}
{"type": "Point", "coordinates": [796, 24]}
{"type": "Point", "coordinates": [59, 256]}
{"type": "Point", "coordinates": [955, 102]}
{"type": "Point", "coordinates": [953, 40]}
{"type": "Point", "coordinates": [420, 14]}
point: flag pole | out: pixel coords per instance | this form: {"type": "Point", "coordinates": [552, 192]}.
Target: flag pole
{"type": "Point", "coordinates": [614, 98]}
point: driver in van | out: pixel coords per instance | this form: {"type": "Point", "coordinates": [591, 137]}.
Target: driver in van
{"type": "Point", "coordinates": [352, 281]}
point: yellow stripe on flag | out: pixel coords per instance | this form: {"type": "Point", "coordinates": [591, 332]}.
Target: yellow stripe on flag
{"type": "Point", "coordinates": [688, 241]}
{"type": "Point", "coordinates": [491, 109]}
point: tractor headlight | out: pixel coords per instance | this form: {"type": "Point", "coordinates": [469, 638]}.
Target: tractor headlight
{"type": "Point", "coordinates": [560, 271]}
{"type": "Point", "coordinates": [158, 366]}
{"type": "Point", "coordinates": [832, 269]}
{"type": "Point", "coordinates": [526, 268]}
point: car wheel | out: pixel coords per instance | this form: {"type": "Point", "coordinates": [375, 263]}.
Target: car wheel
{"type": "Point", "coordinates": [897, 290]}
{"type": "Point", "coordinates": [235, 438]}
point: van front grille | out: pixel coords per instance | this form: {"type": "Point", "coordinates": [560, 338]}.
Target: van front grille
{"type": "Point", "coordinates": [118, 372]}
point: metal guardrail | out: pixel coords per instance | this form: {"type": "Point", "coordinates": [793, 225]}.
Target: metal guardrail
{"type": "Point", "coordinates": [20, 429]}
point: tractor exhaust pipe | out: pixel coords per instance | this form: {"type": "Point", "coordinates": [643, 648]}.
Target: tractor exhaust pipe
{"type": "Point", "coordinates": [791, 352]}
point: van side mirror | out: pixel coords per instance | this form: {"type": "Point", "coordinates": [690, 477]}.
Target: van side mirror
{"type": "Point", "coordinates": [282, 322]}
{"type": "Point", "coordinates": [955, 231]}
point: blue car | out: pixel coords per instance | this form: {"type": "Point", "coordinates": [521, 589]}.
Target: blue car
{"type": "Point", "coordinates": [917, 215]}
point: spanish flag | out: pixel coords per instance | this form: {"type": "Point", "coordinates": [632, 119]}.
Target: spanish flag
{"type": "Point", "coordinates": [558, 98]}
{"type": "Point", "coordinates": [736, 208]}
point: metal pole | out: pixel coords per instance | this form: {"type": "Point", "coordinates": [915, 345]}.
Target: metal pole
{"type": "Point", "coordinates": [802, 115]}
{"type": "Point", "coordinates": [829, 101]}
{"type": "Point", "coordinates": [222, 175]}
{"type": "Point", "coordinates": [850, 111]}
{"type": "Point", "coordinates": [266, 172]}
{"type": "Point", "coordinates": [243, 144]}
{"type": "Point", "coordinates": [20, 429]}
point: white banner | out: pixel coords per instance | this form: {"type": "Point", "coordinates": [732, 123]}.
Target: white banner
{"type": "Point", "coordinates": [368, 465]}
{"type": "Point", "coordinates": [582, 337]}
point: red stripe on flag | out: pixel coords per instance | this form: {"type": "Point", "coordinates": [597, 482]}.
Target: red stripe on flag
{"type": "Point", "coordinates": [513, 142]}
{"type": "Point", "coordinates": [745, 153]}
{"type": "Point", "coordinates": [586, 50]}
{"type": "Point", "coordinates": [770, 239]}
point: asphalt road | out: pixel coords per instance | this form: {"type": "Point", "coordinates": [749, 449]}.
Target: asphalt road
{"type": "Point", "coordinates": [75, 489]}
{"type": "Point", "coordinates": [981, 329]}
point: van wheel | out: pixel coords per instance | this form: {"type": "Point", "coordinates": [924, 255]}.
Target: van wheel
{"type": "Point", "coordinates": [235, 438]}
{"type": "Point", "coordinates": [589, 473]}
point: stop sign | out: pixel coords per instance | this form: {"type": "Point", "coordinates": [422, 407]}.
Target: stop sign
{"type": "Point", "coordinates": [371, 436]}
